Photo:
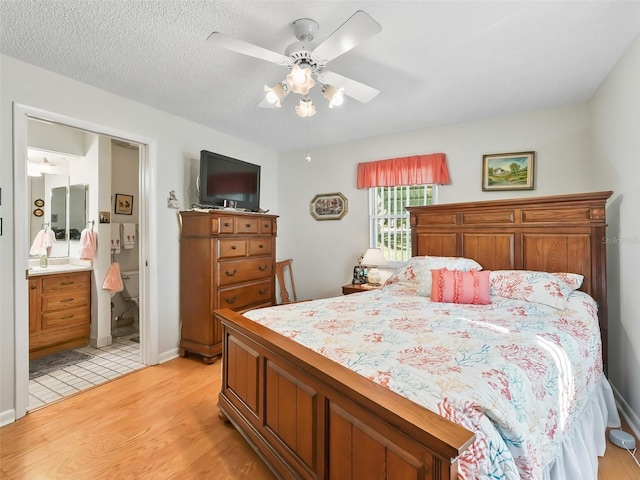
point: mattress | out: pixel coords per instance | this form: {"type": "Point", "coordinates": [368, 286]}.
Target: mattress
{"type": "Point", "coordinates": [525, 377]}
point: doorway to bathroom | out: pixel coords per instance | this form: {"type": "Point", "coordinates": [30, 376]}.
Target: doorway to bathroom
{"type": "Point", "coordinates": [101, 324]}
{"type": "Point", "coordinates": [124, 238]}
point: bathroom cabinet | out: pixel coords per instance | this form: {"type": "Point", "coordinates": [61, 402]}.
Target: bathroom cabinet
{"type": "Point", "coordinates": [227, 260]}
{"type": "Point", "coordinates": [59, 312]}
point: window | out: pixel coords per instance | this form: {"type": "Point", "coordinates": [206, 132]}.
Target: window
{"type": "Point", "coordinates": [389, 226]}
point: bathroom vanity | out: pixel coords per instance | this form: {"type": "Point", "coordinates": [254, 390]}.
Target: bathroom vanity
{"type": "Point", "coordinates": [59, 309]}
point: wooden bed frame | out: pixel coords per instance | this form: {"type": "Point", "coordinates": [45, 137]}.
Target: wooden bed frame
{"type": "Point", "coordinates": [311, 418]}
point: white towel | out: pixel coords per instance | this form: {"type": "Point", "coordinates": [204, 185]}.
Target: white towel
{"type": "Point", "coordinates": [42, 243]}
{"type": "Point", "coordinates": [115, 238]}
{"type": "Point", "coordinates": [128, 235]}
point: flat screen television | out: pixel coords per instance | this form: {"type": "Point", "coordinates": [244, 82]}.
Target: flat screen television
{"type": "Point", "coordinates": [228, 182]}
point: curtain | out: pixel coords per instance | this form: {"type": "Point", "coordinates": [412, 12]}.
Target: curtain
{"type": "Point", "coordinates": [414, 170]}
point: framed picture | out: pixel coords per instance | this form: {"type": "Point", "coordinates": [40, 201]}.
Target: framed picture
{"type": "Point", "coordinates": [123, 204]}
{"type": "Point", "coordinates": [329, 206]}
{"type": "Point", "coordinates": [508, 171]}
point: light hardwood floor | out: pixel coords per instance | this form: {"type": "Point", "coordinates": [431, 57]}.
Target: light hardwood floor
{"type": "Point", "coordinates": [157, 423]}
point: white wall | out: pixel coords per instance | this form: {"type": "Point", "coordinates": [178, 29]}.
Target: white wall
{"type": "Point", "coordinates": [559, 136]}
{"type": "Point", "coordinates": [176, 140]}
{"type": "Point", "coordinates": [615, 114]}
{"type": "Point", "coordinates": [124, 180]}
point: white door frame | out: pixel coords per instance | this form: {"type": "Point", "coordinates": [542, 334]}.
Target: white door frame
{"type": "Point", "coordinates": [21, 215]}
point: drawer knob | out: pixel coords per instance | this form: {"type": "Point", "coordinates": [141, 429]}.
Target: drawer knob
{"type": "Point", "coordinates": [248, 225]}
{"type": "Point", "coordinates": [263, 268]}
{"type": "Point", "coordinates": [233, 247]}
{"type": "Point", "coordinates": [230, 274]}
{"type": "Point", "coordinates": [263, 292]}
{"type": "Point", "coordinates": [261, 246]}
{"type": "Point", "coordinates": [231, 300]}
{"type": "Point", "coordinates": [227, 224]}
{"type": "Point", "coordinates": [33, 287]}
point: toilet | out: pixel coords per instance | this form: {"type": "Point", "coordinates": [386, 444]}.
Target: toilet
{"type": "Point", "coordinates": [131, 282]}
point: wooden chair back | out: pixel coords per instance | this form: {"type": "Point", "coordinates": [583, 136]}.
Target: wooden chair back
{"type": "Point", "coordinates": [284, 276]}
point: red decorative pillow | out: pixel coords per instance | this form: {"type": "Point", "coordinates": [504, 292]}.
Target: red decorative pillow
{"type": "Point", "coordinates": [455, 286]}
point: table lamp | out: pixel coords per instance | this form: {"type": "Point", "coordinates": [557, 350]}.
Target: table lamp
{"type": "Point", "coordinates": [373, 258]}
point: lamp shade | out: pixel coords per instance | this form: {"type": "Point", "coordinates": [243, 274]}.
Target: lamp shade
{"type": "Point", "coordinates": [306, 108]}
{"type": "Point", "coordinates": [333, 94]}
{"type": "Point", "coordinates": [300, 80]}
{"type": "Point", "coordinates": [373, 257]}
{"type": "Point", "coordinates": [276, 93]}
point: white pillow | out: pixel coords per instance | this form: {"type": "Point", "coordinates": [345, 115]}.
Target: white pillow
{"type": "Point", "coordinates": [418, 270]}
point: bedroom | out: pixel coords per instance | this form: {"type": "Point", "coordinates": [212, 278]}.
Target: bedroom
{"type": "Point", "coordinates": [595, 133]}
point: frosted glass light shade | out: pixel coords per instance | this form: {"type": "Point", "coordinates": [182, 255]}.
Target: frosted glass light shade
{"type": "Point", "coordinates": [276, 93]}
{"type": "Point", "coordinates": [333, 94]}
{"type": "Point", "coordinates": [306, 108]}
{"type": "Point", "coordinates": [300, 80]}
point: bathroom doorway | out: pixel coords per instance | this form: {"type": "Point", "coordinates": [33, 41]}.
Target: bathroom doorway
{"type": "Point", "coordinates": [100, 333]}
{"type": "Point", "coordinates": [125, 305]}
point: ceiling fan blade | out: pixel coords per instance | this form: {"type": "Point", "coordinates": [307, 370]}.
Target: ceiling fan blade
{"type": "Point", "coordinates": [359, 27]}
{"type": "Point", "coordinates": [361, 92]}
{"type": "Point", "coordinates": [240, 46]}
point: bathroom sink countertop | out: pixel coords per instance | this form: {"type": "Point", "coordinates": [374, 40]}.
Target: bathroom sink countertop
{"type": "Point", "coordinates": [53, 269]}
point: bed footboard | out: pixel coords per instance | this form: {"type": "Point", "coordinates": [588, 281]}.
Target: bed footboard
{"type": "Point", "coordinates": [310, 418]}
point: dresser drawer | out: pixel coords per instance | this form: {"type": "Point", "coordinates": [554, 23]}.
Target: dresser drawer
{"type": "Point", "coordinates": [246, 225]}
{"type": "Point", "coordinates": [66, 318]}
{"type": "Point", "coordinates": [240, 297]}
{"type": "Point", "coordinates": [224, 225]}
{"type": "Point", "coordinates": [60, 283]}
{"type": "Point", "coordinates": [65, 300]}
{"type": "Point", "coordinates": [232, 248]}
{"type": "Point", "coordinates": [239, 271]}
{"type": "Point", "coordinates": [266, 227]}
{"type": "Point", "coordinates": [259, 246]}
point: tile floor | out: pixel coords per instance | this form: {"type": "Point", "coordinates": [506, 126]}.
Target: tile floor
{"type": "Point", "coordinates": [107, 363]}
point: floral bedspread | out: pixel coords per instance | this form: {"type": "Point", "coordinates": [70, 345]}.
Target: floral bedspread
{"type": "Point", "coordinates": [514, 372]}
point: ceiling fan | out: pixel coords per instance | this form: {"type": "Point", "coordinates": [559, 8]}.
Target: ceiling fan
{"type": "Point", "coordinates": [306, 61]}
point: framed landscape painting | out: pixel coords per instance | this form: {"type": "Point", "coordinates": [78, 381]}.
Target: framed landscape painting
{"type": "Point", "coordinates": [508, 171]}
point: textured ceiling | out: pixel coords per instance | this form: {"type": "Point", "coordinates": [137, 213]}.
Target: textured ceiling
{"type": "Point", "coordinates": [434, 62]}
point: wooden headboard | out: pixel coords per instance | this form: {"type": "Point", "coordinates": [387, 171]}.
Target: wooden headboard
{"type": "Point", "coordinates": [563, 233]}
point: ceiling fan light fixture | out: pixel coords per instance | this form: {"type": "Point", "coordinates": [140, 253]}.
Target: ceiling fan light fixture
{"type": "Point", "coordinates": [276, 93]}
{"type": "Point", "coordinates": [300, 80]}
{"type": "Point", "coordinates": [306, 108]}
{"type": "Point", "coordinates": [333, 94]}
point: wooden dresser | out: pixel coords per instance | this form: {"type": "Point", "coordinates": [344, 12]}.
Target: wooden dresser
{"type": "Point", "coordinates": [59, 312]}
{"type": "Point", "coordinates": [227, 260]}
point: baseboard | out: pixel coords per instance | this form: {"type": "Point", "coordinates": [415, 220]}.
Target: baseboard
{"type": "Point", "coordinates": [7, 417]}
{"type": "Point", "coordinates": [170, 355]}
{"type": "Point", "coordinates": [625, 410]}
{"type": "Point", "coordinates": [99, 342]}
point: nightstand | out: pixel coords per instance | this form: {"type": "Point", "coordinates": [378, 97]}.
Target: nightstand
{"type": "Point", "coordinates": [357, 287]}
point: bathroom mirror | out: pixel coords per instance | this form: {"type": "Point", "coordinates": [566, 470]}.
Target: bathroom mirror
{"type": "Point", "coordinates": [77, 210]}
{"type": "Point", "coordinates": [58, 215]}
{"type": "Point", "coordinates": [64, 208]}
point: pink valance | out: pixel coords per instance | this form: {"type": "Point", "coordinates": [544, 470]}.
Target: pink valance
{"type": "Point", "coordinates": [414, 170]}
